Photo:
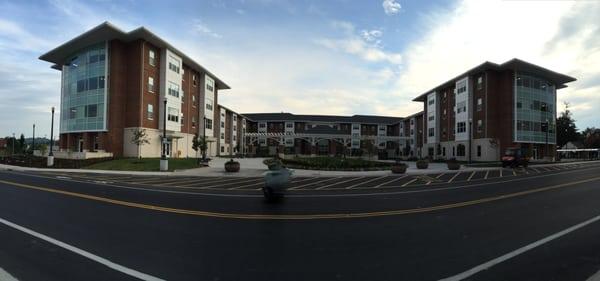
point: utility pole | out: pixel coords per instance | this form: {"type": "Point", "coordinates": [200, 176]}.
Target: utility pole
{"type": "Point", "coordinates": [33, 140]}
{"type": "Point", "coordinates": [50, 162]}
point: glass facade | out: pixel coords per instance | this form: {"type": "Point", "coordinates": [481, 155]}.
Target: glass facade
{"type": "Point", "coordinates": [535, 104]}
{"type": "Point", "coordinates": [83, 94]}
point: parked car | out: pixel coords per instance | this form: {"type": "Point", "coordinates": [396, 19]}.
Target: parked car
{"type": "Point", "coordinates": [515, 157]}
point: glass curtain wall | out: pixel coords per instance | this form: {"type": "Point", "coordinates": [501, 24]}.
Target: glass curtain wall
{"type": "Point", "coordinates": [535, 104]}
{"type": "Point", "coordinates": [84, 91]}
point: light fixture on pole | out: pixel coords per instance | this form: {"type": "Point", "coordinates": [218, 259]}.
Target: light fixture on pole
{"type": "Point", "coordinates": [50, 162]}
{"type": "Point", "coordinates": [164, 162]}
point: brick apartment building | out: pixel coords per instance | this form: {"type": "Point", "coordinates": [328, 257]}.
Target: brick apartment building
{"type": "Point", "coordinates": [116, 82]}
{"type": "Point", "coordinates": [270, 133]}
{"type": "Point", "coordinates": [491, 107]}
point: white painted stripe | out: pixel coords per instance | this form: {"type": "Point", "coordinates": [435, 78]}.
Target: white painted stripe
{"type": "Point", "coordinates": [471, 176]}
{"type": "Point", "coordinates": [487, 173]}
{"type": "Point", "coordinates": [247, 185]}
{"type": "Point", "coordinates": [391, 181]}
{"type": "Point", "coordinates": [514, 172]}
{"type": "Point", "coordinates": [332, 184]}
{"type": "Point", "coordinates": [377, 178]}
{"type": "Point", "coordinates": [519, 251]}
{"type": "Point", "coordinates": [103, 261]}
{"type": "Point", "coordinates": [409, 182]}
{"type": "Point", "coordinates": [501, 172]}
{"type": "Point", "coordinates": [456, 175]}
{"type": "Point", "coordinates": [5, 276]}
{"type": "Point", "coordinates": [595, 277]}
{"type": "Point", "coordinates": [440, 175]}
{"type": "Point", "coordinates": [311, 183]}
{"type": "Point", "coordinates": [536, 170]}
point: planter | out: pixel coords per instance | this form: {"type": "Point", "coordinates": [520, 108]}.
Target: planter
{"type": "Point", "coordinates": [399, 168]}
{"type": "Point", "coordinates": [452, 165]}
{"type": "Point", "coordinates": [422, 164]}
{"type": "Point", "coordinates": [232, 166]}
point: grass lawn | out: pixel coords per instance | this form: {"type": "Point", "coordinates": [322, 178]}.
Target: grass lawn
{"type": "Point", "coordinates": [144, 164]}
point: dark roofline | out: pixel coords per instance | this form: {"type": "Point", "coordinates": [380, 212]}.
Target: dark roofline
{"type": "Point", "coordinates": [558, 78]}
{"type": "Point", "coordinates": [108, 31]}
{"type": "Point", "coordinates": [280, 117]}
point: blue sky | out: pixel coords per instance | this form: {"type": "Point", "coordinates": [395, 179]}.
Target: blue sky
{"type": "Point", "coordinates": [319, 57]}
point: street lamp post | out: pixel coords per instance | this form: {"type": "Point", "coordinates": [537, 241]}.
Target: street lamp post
{"type": "Point", "coordinates": [470, 137]}
{"type": "Point", "coordinates": [33, 140]}
{"type": "Point", "coordinates": [13, 144]}
{"type": "Point", "coordinates": [547, 128]}
{"type": "Point", "coordinates": [205, 145]}
{"type": "Point", "coordinates": [164, 162]}
{"type": "Point", "coordinates": [50, 162]}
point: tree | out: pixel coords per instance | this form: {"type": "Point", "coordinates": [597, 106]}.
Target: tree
{"type": "Point", "coordinates": [43, 148]}
{"type": "Point", "coordinates": [566, 130]}
{"type": "Point", "coordinates": [21, 142]}
{"type": "Point", "coordinates": [591, 137]}
{"type": "Point", "coordinates": [140, 138]}
{"type": "Point", "coordinates": [200, 143]}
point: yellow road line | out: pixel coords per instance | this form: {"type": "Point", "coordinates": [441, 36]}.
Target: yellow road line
{"type": "Point", "coordinates": [297, 216]}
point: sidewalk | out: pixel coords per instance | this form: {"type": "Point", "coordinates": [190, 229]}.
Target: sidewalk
{"type": "Point", "coordinates": [253, 167]}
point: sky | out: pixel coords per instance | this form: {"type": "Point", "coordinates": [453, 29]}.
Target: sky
{"type": "Point", "coordinates": [311, 56]}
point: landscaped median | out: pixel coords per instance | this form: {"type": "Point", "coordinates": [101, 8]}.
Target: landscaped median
{"type": "Point", "coordinates": [144, 164]}
{"type": "Point", "coordinates": [332, 164]}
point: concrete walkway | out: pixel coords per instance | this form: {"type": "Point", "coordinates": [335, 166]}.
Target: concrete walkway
{"type": "Point", "coordinates": [254, 167]}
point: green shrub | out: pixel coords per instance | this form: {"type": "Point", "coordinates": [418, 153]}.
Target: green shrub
{"type": "Point", "coordinates": [333, 163]}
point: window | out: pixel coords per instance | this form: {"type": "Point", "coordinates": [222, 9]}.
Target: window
{"type": "Point", "coordinates": [208, 123]}
{"type": "Point", "coordinates": [174, 64]}
{"type": "Point", "coordinates": [412, 132]}
{"type": "Point", "coordinates": [234, 138]}
{"type": "Point", "coordinates": [91, 110]}
{"type": "Point", "coordinates": [222, 124]}
{"type": "Point", "coordinates": [173, 114]}
{"type": "Point", "coordinates": [461, 127]}
{"type": "Point", "coordinates": [461, 88]}
{"type": "Point", "coordinates": [173, 89]}
{"type": "Point", "coordinates": [479, 151]}
{"type": "Point", "coordinates": [453, 151]}
{"type": "Point", "coordinates": [194, 100]}
{"type": "Point", "coordinates": [412, 122]}
{"type": "Point", "coordinates": [93, 83]}
{"type": "Point", "coordinates": [460, 150]}
{"type": "Point", "coordinates": [209, 104]}
{"type": "Point", "coordinates": [479, 104]}
{"type": "Point", "coordinates": [210, 84]}
{"type": "Point", "coordinates": [444, 151]}
{"type": "Point", "coordinates": [150, 112]}
{"type": "Point", "coordinates": [461, 107]}
{"type": "Point", "coordinates": [235, 119]}
{"type": "Point", "coordinates": [479, 126]}
{"type": "Point", "coordinates": [194, 80]}
{"type": "Point", "coordinates": [431, 117]}
{"type": "Point", "coordinates": [81, 85]}
{"type": "Point", "coordinates": [444, 94]}
{"type": "Point", "coordinates": [519, 105]}
{"type": "Point", "coordinates": [100, 82]}
{"type": "Point", "coordinates": [234, 128]}
{"type": "Point", "coordinates": [431, 101]}
{"type": "Point", "coordinates": [444, 111]}
{"type": "Point", "coordinates": [479, 83]}
{"type": "Point", "coordinates": [262, 125]}
{"type": "Point", "coordinates": [152, 59]}
{"type": "Point", "coordinates": [222, 149]}
{"type": "Point", "coordinates": [544, 107]}
{"type": "Point", "coordinates": [193, 121]}
{"type": "Point", "coordinates": [222, 136]}
{"type": "Point", "coordinates": [182, 120]}
{"type": "Point", "coordinates": [288, 125]}
{"type": "Point", "coordinates": [431, 132]}
{"type": "Point", "coordinates": [150, 84]}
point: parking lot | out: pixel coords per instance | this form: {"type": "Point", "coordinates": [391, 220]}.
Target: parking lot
{"type": "Point", "coordinates": [303, 183]}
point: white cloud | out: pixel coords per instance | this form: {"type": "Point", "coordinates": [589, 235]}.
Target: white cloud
{"type": "Point", "coordinates": [203, 29]}
{"type": "Point", "coordinates": [568, 45]}
{"type": "Point", "coordinates": [366, 45]}
{"type": "Point", "coordinates": [391, 7]}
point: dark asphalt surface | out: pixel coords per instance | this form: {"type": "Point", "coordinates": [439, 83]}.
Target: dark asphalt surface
{"type": "Point", "coordinates": [419, 246]}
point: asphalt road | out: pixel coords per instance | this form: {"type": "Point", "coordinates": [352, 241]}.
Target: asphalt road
{"type": "Point", "coordinates": [65, 229]}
